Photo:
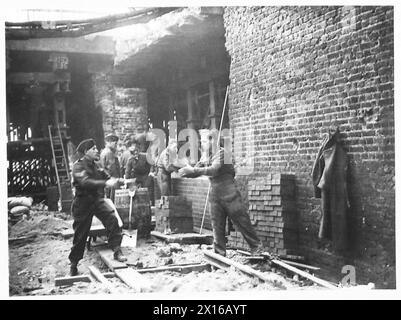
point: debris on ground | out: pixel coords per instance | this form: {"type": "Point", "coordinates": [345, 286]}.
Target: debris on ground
{"type": "Point", "coordinates": [38, 254]}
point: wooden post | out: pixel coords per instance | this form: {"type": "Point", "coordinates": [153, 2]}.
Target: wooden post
{"type": "Point", "coordinates": [212, 101]}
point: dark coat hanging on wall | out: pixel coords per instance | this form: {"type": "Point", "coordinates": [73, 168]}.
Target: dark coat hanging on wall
{"type": "Point", "coordinates": [329, 180]}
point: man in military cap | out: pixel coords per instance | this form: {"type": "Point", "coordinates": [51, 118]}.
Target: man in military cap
{"type": "Point", "coordinates": [89, 182]}
{"type": "Point", "coordinates": [109, 161]}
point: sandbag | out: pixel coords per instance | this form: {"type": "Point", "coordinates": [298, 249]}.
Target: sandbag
{"type": "Point", "coordinates": [19, 210]}
{"type": "Point", "coordinates": [20, 201]}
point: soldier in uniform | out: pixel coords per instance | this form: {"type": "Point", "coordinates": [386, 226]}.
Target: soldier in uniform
{"type": "Point", "coordinates": [89, 182]}
{"type": "Point", "coordinates": [109, 161]}
{"type": "Point", "coordinates": [225, 200]}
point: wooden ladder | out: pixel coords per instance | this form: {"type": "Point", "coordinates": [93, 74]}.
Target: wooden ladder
{"type": "Point", "coordinates": [59, 158]}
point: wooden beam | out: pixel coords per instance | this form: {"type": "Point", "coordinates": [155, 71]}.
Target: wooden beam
{"type": "Point", "coordinates": [133, 279]}
{"type": "Point", "coordinates": [41, 77]}
{"type": "Point", "coordinates": [265, 256]}
{"type": "Point", "coordinates": [82, 21]}
{"type": "Point", "coordinates": [184, 238]}
{"type": "Point", "coordinates": [22, 239]}
{"type": "Point", "coordinates": [300, 265]}
{"type": "Point", "coordinates": [199, 267]}
{"type": "Point", "coordinates": [107, 257]}
{"type": "Point", "coordinates": [65, 281]}
{"type": "Point", "coordinates": [102, 279]}
{"type": "Point", "coordinates": [65, 30]}
{"type": "Point", "coordinates": [306, 275]}
{"type": "Point", "coordinates": [227, 263]}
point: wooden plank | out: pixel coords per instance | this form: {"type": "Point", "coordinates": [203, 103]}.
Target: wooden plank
{"type": "Point", "coordinates": [45, 77]}
{"type": "Point", "coordinates": [109, 275]}
{"type": "Point", "coordinates": [306, 275]}
{"type": "Point", "coordinates": [22, 239]}
{"type": "Point", "coordinates": [265, 256]}
{"type": "Point", "coordinates": [184, 238]}
{"type": "Point", "coordinates": [65, 281]}
{"type": "Point", "coordinates": [101, 278]}
{"type": "Point", "coordinates": [179, 268]}
{"type": "Point", "coordinates": [133, 279]}
{"type": "Point", "coordinates": [107, 257]}
{"type": "Point", "coordinates": [300, 265]}
{"type": "Point", "coordinates": [292, 257]}
{"type": "Point", "coordinates": [246, 269]}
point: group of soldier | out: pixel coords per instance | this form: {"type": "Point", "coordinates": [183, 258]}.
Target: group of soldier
{"type": "Point", "coordinates": [95, 177]}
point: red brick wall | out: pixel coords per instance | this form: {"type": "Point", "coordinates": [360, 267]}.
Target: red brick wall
{"type": "Point", "coordinates": [297, 72]}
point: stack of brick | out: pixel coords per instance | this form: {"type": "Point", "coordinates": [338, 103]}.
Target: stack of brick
{"type": "Point", "coordinates": [195, 190]}
{"type": "Point", "coordinates": [174, 215]}
{"type": "Point", "coordinates": [273, 213]}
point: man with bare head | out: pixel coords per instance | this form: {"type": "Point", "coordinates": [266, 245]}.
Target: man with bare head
{"type": "Point", "coordinates": [225, 199]}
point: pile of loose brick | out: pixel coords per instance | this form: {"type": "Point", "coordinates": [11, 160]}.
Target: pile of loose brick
{"type": "Point", "coordinates": [273, 213]}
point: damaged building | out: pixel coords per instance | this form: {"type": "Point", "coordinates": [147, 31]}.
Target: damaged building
{"type": "Point", "coordinates": [293, 77]}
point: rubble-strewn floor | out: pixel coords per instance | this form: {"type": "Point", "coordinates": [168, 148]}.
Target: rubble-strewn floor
{"type": "Point", "coordinates": [36, 261]}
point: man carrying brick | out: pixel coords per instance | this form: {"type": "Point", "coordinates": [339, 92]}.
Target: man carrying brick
{"type": "Point", "coordinates": [225, 200]}
{"type": "Point", "coordinates": [89, 182]}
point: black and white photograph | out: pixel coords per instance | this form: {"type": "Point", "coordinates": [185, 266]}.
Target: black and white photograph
{"type": "Point", "coordinates": [181, 150]}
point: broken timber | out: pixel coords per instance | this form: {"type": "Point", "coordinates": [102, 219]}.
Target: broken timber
{"type": "Point", "coordinates": [304, 274]}
{"type": "Point", "coordinates": [300, 265]}
{"type": "Point", "coordinates": [101, 278]}
{"type": "Point", "coordinates": [184, 238]}
{"type": "Point", "coordinates": [22, 239]}
{"type": "Point", "coordinates": [180, 268]}
{"type": "Point", "coordinates": [225, 263]}
{"type": "Point", "coordinates": [65, 281]}
{"type": "Point", "coordinates": [265, 256]}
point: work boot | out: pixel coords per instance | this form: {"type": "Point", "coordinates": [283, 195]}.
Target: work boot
{"type": "Point", "coordinates": [73, 269]}
{"type": "Point", "coordinates": [119, 256]}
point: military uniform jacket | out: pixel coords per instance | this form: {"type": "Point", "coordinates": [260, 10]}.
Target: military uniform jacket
{"type": "Point", "coordinates": [88, 179]}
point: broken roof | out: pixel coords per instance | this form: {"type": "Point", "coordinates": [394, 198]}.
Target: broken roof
{"type": "Point", "coordinates": [143, 44]}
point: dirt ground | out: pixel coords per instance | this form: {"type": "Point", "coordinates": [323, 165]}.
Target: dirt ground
{"type": "Point", "coordinates": [42, 255]}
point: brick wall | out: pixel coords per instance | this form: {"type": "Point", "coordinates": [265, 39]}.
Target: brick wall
{"type": "Point", "coordinates": [130, 113]}
{"type": "Point", "coordinates": [194, 190]}
{"type": "Point", "coordinates": [124, 109]}
{"type": "Point", "coordinates": [296, 73]}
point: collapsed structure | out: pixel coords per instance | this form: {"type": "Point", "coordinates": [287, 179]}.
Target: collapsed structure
{"type": "Point", "coordinates": [296, 74]}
